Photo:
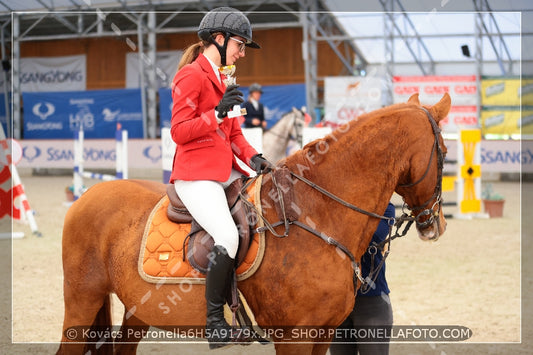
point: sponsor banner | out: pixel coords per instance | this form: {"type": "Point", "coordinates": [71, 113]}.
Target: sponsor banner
{"type": "Point", "coordinates": [506, 156]}
{"type": "Point", "coordinates": [507, 121]}
{"type": "Point", "coordinates": [461, 88]}
{"type": "Point", "coordinates": [277, 100]}
{"type": "Point", "coordinates": [97, 154]}
{"type": "Point", "coordinates": [166, 64]}
{"type": "Point", "coordinates": [346, 97]}
{"type": "Point", "coordinates": [460, 117]}
{"type": "Point", "coordinates": [506, 92]}
{"type": "Point", "coordinates": [44, 74]}
{"type": "Point", "coordinates": [60, 114]}
{"type": "Point", "coordinates": [496, 155]}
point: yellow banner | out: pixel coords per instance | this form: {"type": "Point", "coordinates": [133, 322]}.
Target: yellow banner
{"type": "Point", "coordinates": [506, 121]}
{"type": "Point", "coordinates": [506, 92]}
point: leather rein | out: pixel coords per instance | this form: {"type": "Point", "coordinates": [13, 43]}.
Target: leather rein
{"type": "Point", "coordinates": [367, 282]}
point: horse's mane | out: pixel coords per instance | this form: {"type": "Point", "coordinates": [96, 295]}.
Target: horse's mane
{"type": "Point", "coordinates": [358, 131]}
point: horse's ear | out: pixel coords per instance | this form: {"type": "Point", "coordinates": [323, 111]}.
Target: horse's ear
{"type": "Point", "coordinates": [414, 99]}
{"type": "Point", "coordinates": [441, 108]}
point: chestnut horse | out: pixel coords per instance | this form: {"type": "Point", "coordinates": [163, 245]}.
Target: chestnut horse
{"type": "Point", "coordinates": [302, 280]}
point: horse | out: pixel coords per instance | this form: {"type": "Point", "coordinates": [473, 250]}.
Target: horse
{"type": "Point", "coordinates": [342, 184]}
{"type": "Point", "coordinates": [288, 128]}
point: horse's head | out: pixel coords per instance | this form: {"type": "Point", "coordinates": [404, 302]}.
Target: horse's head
{"type": "Point", "coordinates": [421, 185]}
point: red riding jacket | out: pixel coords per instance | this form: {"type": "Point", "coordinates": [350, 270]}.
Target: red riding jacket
{"type": "Point", "coordinates": [205, 149]}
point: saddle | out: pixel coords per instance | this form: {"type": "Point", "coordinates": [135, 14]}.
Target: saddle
{"type": "Point", "coordinates": [198, 243]}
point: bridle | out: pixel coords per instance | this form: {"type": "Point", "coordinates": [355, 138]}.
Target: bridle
{"type": "Point", "coordinates": [437, 193]}
{"type": "Point", "coordinates": [391, 221]}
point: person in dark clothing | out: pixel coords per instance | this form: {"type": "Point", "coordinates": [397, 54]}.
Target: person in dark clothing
{"type": "Point", "coordinates": [372, 307]}
{"type": "Point", "coordinates": [255, 112]}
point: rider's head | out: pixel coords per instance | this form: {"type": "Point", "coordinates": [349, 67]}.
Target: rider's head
{"type": "Point", "coordinates": [228, 23]}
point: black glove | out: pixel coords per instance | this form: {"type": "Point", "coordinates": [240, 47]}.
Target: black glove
{"type": "Point", "coordinates": [231, 97]}
{"type": "Point", "coordinates": [260, 164]}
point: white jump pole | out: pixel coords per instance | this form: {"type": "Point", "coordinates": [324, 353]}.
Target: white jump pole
{"type": "Point", "coordinates": [78, 163]}
{"type": "Point", "coordinates": [121, 138]}
{"type": "Point", "coordinates": [121, 160]}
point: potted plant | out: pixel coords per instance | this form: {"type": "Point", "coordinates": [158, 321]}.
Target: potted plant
{"type": "Point", "coordinates": [493, 202]}
{"type": "Point", "coordinates": [69, 191]}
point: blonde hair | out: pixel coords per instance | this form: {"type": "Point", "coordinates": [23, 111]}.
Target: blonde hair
{"type": "Point", "coordinates": [191, 53]}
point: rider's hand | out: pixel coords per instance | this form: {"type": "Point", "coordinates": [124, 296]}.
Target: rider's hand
{"type": "Point", "coordinates": [260, 164]}
{"type": "Point", "coordinates": [231, 97]}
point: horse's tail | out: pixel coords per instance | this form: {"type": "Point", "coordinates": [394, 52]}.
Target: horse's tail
{"type": "Point", "coordinates": [102, 326]}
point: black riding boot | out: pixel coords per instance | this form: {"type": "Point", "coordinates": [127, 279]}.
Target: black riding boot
{"type": "Point", "coordinates": [218, 331]}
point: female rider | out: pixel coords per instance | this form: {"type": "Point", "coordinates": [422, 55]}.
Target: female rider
{"type": "Point", "coordinates": [207, 142]}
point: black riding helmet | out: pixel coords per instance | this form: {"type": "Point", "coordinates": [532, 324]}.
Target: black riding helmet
{"type": "Point", "coordinates": [227, 20]}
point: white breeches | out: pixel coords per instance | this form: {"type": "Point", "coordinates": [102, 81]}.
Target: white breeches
{"type": "Point", "coordinates": [206, 201]}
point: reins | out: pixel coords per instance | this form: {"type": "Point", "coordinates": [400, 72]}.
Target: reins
{"type": "Point", "coordinates": [392, 222]}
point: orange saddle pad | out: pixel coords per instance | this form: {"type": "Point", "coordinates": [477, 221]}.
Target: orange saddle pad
{"type": "Point", "coordinates": [161, 255]}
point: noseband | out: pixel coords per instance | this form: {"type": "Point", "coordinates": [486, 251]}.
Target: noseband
{"type": "Point", "coordinates": [437, 193]}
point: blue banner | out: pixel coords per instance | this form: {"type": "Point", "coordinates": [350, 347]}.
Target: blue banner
{"type": "Point", "coordinates": [53, 115]}
{"type": "Point", "coordinates": [280, 99]}
{"type": "Point", "coordinates": [165, 107]}
{"type": "Point", "coordinates": [3, 113]}
{"type": "Point", "coordinates": [277, 100]}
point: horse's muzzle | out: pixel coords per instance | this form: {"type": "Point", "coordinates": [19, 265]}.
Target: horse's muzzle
{"type": "Point", "coordinates": [434, 230]}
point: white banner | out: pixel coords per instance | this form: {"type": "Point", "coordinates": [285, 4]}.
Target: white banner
{"type": "Point", "coordinates": [461, 88]}
{"type": "Point", "coordinates": [166, 64]}
{"type": "Point", "coordinates": [346, 97]}
{"type": "Point", "coordinates": [97, 153]}
{"type": "Point", "coordinates": [42, 74]}
{"type": "Point", "coordinates": [459, 118]}
{"type": "Point", "coordinates": [496, 156]}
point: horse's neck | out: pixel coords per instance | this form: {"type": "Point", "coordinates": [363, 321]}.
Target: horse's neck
{"type": "Point", "coordinates": [361, 151]}
{"type": "Point", "coordinates": [360, 165]}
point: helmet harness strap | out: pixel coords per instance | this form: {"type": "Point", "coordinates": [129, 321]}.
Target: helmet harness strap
{"type": "Point", "coordinates": [222, 49]}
